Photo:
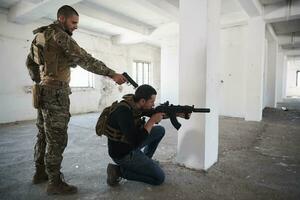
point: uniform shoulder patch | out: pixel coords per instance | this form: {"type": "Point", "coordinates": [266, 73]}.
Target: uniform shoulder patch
{"type": "Point", "coordinates": [61, 37]}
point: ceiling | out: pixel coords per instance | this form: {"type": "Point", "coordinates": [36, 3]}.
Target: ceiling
{"type": "Point", "coordinates": [133, 21]}
{"type": "Point", "coordinates": [151, 21]}
{"type": "Point", "coordinates": [268, 2]}
{"type": "Point", "coordinates": [230, 6]}
{"type": "Point", "coordinates": [286, 26]}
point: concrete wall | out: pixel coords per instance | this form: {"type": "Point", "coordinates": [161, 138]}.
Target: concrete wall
{"type": "Point", "coordinates": [242, 65]}
{"type": "Point", "coordinates": [232, 70]}
{"type": "Point", "coordinates": [271, 52]}
{"type": "Point", "coordinates": [232, 73]}
{"type": "Point", "coordinates": [292, 67]}
{"type": "Point", "coordinates": [280, 76]}
{"type": "Point", "coordinates": [16, 102]}
{"type": "Point", "coordinates": [170, 73]}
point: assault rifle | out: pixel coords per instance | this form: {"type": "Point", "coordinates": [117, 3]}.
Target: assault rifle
{"type": "Point", "coordinates": [130, 80]}
{"type": "Point", "coordinates": [172, 110]}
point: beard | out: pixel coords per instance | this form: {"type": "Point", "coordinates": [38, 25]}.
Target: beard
{"type": "Point", "coordinates": [67, 30]}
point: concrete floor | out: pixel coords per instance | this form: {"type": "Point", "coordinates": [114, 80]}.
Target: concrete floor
{"type": "Point", "coordinates": [290, 103]}
{"type": "Point", "coordinates": [257, 160]}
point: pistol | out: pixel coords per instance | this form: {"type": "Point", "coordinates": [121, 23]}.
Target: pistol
{"type": "Point", "coordinates": [130, 80]}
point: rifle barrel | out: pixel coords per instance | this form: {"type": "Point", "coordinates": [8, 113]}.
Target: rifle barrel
{"type": "Point", "coordinates": [203, 110]}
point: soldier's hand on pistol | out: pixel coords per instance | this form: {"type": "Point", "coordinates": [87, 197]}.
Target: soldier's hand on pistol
{"type": "Point", "coordinates": [157, 117]}
{"type": "Point", "coordinates": [119, 79]}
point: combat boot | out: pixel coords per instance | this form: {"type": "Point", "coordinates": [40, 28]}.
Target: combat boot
{"type": "Point", "coordinates": [113, 174]}
{"type": "Point", "coordinates": [59, 186]}
{"type": "Point", "coordinates": [40, 175]}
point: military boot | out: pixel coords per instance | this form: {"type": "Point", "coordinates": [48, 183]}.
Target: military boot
{"type": "Point", "coordinates": [57, 185]}
{"type": "Point", "coordinates": [113, 174]}
{"type": "Point", "coordinates": [40, 175]}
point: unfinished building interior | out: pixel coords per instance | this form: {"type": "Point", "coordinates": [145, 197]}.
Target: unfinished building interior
{"type": "Point", "coordinates": [240, 58]}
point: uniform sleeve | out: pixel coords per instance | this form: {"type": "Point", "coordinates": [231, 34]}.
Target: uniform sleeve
{"type": "Point", "coordinates": [80, 57]}
{"type": "Point", "coordinates": [33, 69]}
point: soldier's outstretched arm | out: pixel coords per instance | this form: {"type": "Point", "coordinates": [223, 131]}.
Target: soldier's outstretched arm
{"type": "Point", "coordinates": [85, 60]}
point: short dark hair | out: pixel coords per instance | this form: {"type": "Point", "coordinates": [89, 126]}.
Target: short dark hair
{"type": "Point", "coordinates": [66, 11]}
{"type": "Point", "coordinates": [144, 92]}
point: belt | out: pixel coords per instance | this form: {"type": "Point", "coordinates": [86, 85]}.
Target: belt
{"type": "Point", "coordinates": [55, 83]}
{"type": "Point", "coordinates": [47, 90]}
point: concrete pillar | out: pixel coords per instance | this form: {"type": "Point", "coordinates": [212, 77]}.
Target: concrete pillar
{"type": "Point", "coordinates": [266, 63]}
{"type": "Point", "coordinates": [255, 69]}
{"type": "Point", "coordinates": [169, 72]}
{"type": "Point", "coordinates": [273, 52]}
{"type": "Point", "coordinates": [198, 81]}
{"type": "Point", "coordinates": [270, 74]}
{"type": "Point", "coordinates": [284, 76]}
{"type": "Point", "coordinates": [281, 60]}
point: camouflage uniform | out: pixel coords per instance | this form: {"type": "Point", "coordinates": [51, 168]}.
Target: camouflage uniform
{"type": "Point", "coordinates": [52, 54]}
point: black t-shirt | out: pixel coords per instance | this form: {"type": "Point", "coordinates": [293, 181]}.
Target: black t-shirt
{"type": "Point", "coordinates": [122, 119]}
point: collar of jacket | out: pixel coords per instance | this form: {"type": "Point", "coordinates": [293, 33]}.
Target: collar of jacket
{"type": "Point", "coordinates": [55, 24]}
{"type": "Point", "coordinates": [129, 99]}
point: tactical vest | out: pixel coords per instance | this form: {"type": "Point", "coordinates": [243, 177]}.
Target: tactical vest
{"type": "Point", "coordinates": [103, 127]}
{"type": "Point", "coordinates": [46, 53]}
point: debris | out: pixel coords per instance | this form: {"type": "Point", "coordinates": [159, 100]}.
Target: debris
{"type": "Point", "coordinates": [284, 108]}
{"type": "Point", "coordinates": [283, 164]}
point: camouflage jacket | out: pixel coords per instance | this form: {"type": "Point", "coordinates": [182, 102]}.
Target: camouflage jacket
{"type": "Point", "coordinates": [54, 52]}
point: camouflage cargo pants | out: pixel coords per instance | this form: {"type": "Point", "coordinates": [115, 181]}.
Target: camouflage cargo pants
{"type": "Point", "coordinates": [52, 123]}
{"type": "Point", "coordinates": [40, 145]}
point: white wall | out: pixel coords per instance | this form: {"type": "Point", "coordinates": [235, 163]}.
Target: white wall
{"type": "Point", "coordinates": [265, 73]}
{"type": "Point", "coordinates": [14, 44]}
{"type": "Point", "coordinates": [284, 77]}
{"type": "Point", "coordinates": [232, 73]}
{"type": "Point", "coordinates": [170, 73]}
{"type": "Point", "coordinates": [293, 66]}
{"type": "Point", "coordinates": [15, 41]}
{"type": "Point", "coordinates": [147, 53]}
{"type": "Point", "coordinates": [255, 68]}
{"type": "Point", "coordinates": [271, 52]}
{"type": "Point", "coordinates": [242, 66]}
{"type": "Point", "coordinates": [280, 76]}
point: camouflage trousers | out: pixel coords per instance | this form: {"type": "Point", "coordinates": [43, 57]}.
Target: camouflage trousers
{"type": "Point", "coordinates": [52, 122]}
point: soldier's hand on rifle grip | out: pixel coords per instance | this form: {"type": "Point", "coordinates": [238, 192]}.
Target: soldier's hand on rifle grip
{"type": "Point", "coordinates": [154, 119]}
{"type": "Point", "coordinates": [119, 79]}
{"type": "Point", "coordinates": [157, 117]}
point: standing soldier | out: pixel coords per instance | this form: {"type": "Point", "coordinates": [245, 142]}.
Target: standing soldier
{"type": "Point", "coordinates": [52, 53]}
